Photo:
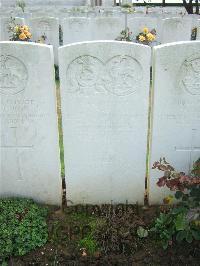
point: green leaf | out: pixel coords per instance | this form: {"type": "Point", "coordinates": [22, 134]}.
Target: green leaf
{"type": "Point", "coordinates": [189, 237]}
{"type": "Point", "coordinates": [196, 234]}
{"type": "Point", "coordinates": [185, 197]}
{"type": "Point", "coordinates": [165, 245]}
{"type": "Point", "coordinates": [178, 210]}
{"type": "Point", "coordinates": [4, 263]}
{"type": "Point", "coordinates": [181, 222]}
{"type": "Point", "coordinates": [178, 194]}
{"type": "Point", "coordinates": [181, 235]}
{"type": "Point", "coordinates": [141, 232]}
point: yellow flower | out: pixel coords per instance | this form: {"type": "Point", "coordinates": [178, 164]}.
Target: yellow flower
{"type": "Point", "coordinates": [22, 36]}
{"type": "Point", "coordinates": [168, 199]}
{"type": "Point", "coordinates": [16, 29]}
{"type": "Point", "coordinates": [197, 223]}
{"type": "Point", "coordinates": [142, 38]}
{"type": "Point", "coordinates": [21, 28]}
{"type": "Point", "coordinates": [28, 35]}
{"type": "Point", "coordinates": [26, 28]}
{"type": "Point", "coordinates": [150, 37]}
{"type": "Point", "coordinates": [145, 30]}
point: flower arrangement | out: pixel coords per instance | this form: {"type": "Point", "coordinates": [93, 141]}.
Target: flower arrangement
{"type": "Point", "coordinates": [125, 35]}
{"type": "Point", "coordinates": [19, 32]}
{"type": "Point", "coordinates": [146, 36]}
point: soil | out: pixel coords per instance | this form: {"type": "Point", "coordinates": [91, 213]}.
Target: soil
{"type": "Point", "coordinates": [106, 235]}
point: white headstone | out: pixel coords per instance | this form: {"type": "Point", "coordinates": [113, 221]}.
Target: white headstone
{"type": "Point", "coordinates": [104, 91]}
{"type": "Point", "coordinates": [107, 3]}
{"type": "Point", "coordinates": [4, 27]}
{"type": "Point", "coordinates": [26, 15]}
{"type": "Point", "coordinates": [123, 2]}
{"type": "Point", "coordinates": [46, 2]}
{"type": "Point", "coordinates": [107, 28]}
{"type": "Point", "coordinates": [176, 29]}
{"type": "Point", "coordinates": [29, 146]}
{"type": "Point", "coordinates": [48, 27]}
{"type": "Point", "coordinates": [137, 24]}
{"type": "Point", "coordinates": [176, 109]}
{"type": "Point", "coordinates": [76, 29]}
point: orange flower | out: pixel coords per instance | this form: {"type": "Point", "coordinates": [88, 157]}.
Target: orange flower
{"type": "Point", "coordinates": [28, 35]}
{"type": "Point", "coordinates": [26, 28]}
{"type": "Point", "coordinates": [22, 36]}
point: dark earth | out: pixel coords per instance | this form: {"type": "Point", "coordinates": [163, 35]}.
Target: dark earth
{"type": "Point", "coordinates": [106, 235]}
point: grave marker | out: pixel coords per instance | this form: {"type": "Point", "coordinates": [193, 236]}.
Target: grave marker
{"type": "Point", "coordinates": [176, 109]}
{"type": "Point", "coordinates": [29, 146]}
{"type": "Point", "coordinates": [104, 92]}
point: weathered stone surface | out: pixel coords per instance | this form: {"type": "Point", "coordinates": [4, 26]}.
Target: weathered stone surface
{"type": "Point", "coordinates": [176, 109]}
{"type": "Point", "coordinates": [107, 28]}
{"type": "Point", "coordinates": [176, 29]}
{"type": "Point", "coordinates": [48, 27]}
{"type": "Point", "coordinates": [4, 27]}
{"type": "Point", "coordinates": [46, 2]}
{"type": "Point", "coordinates": [76, 29]}
{"type": "Point", "coordinates": [29, 146]}
{"type": "Point", "coordinates": [104, 91]}
{"type": "Point", "coordinates": [137, 24]}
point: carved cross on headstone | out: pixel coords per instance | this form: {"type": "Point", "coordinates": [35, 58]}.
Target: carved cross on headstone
{"type": "Point", "coordinates": [12, 142]}
{"type": "Point", "coordinates": [191, 149]}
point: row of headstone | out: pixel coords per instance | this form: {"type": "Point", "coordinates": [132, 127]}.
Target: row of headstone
{"type": "Point", "coordinates": [13, 3]}
{"type": "Point", "coordinates": [105, 101]}
{"type": "Point", "coordinates": [78, 29]}
{"type": "Point", "coordinates": [64, 11]}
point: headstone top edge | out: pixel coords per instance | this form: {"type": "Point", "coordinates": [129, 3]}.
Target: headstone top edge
{"type": "Point", "coordinates": [105, 42]}
{"type": "Point", "coordinates": [172, 44]}
{"type": "Point", "coordinates": [11, 43]}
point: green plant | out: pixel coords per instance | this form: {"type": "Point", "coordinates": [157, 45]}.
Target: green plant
{"type": "Point", "coordinates": [127, 5]}
{"type": "Point", "coordinates": [182, 222]}
{"type": "Point", "coordinates": [125, 35]}
{"type": "Point", "coordinates": [21, 4]}
{"type": "Point", "coordinates": [22, 227]}
{"type": "Point", "coordinates": [186, 187]}
{"type": "Point", "coordinates": [56, 72]}
{"type": "Point", "coordinates": [175, 226]}
{"type": "Point", "coordinates": [88, 244]}
{"type": "Point", "coordinates": [142, 232]}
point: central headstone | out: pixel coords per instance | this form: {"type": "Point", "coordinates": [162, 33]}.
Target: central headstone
{"type": "Point", "coordinates": [104, 92]}
{"type": "Point", "coordinates": [29, 146]}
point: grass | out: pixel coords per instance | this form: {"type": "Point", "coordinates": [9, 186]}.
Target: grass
{"type": "Point", "coordinates": [60, 129]}
{"type": "Point", "coordinates": [76, 231]}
